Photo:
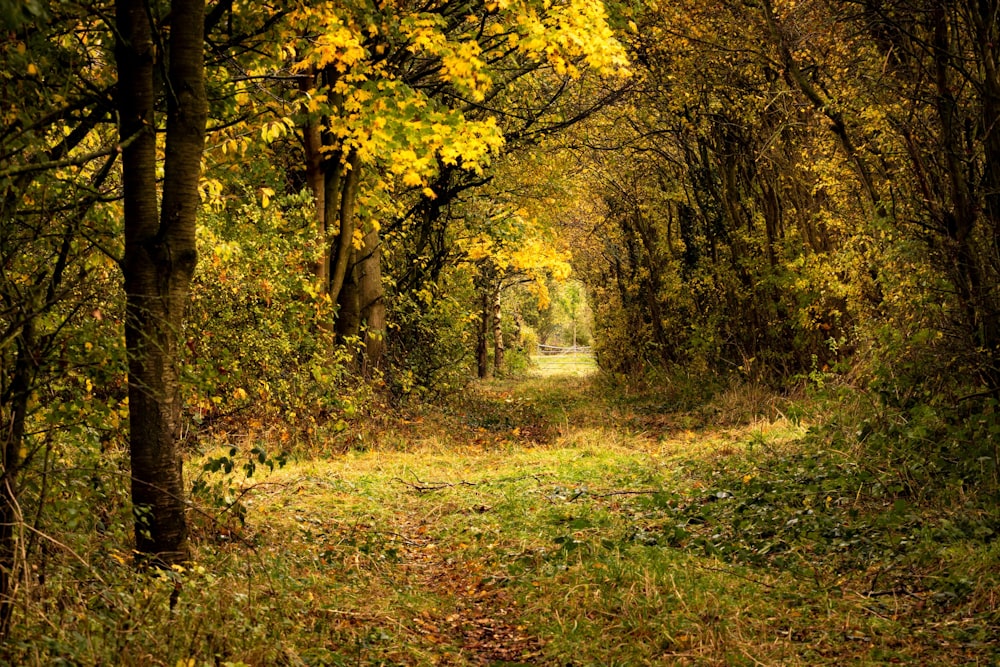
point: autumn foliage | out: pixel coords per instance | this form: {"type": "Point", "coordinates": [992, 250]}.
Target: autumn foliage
{"type": "Point", "coordinates": [275, 225]}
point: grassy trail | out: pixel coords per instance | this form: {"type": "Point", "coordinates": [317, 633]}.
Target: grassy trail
{"type": "Point", "coordinates": [542, 523]}
{"type": "Point", "coordinates": [550, 521]}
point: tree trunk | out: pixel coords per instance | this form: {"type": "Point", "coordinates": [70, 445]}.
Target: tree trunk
{"type": "Point", "coordinates": [963, 215]}
{"type": "Point", "coordinates": [160, 257]}
{"type": "Point", "coordinates": [12, 436]}
{"type": "Point", "coordinates": [372, 301]}
{"type": "Point", "coordinates": [482, 338]}
{"type": "Point", "coordinates": [498, 346]}
{"type": "Point", "coordinates": [986, 18]}
{"type": "Point", "coordinates": [348, 323]}
{"type": "Point", "coordinates": [341, 191]}
{"type": "Point", "coordinates": [820, 101]}
{"type": "Point", "coordinates": [312, 145]}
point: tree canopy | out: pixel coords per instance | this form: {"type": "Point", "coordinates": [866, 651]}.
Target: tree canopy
{"type": "Point", "coordinates": [295, 216]}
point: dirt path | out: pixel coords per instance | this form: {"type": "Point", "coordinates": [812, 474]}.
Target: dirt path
{"type": "Point", "coordinates": [543, 523]}
{"type": "Point", "coordinates": [480, 618]}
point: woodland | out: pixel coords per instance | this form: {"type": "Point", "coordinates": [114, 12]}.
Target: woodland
{"type": "Point", "coordinates": [274, 278]}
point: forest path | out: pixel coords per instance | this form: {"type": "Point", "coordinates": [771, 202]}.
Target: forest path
{"type": "Point", "coordinates": [552, 521]}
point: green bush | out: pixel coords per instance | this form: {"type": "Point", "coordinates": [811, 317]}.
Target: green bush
{"type": "Point", "coordinates": [257, 338]}
{"type": "Point", "coordinates": [432, 338]}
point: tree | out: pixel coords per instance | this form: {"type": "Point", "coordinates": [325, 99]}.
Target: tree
{"type": "Point", "coordinates": [160, 251]}
{"type": "Point", "coordinates": [510, 246]}
{"type": "Point", "coordinates": [712, 192]}
{"type": "Point", "coordinates": [57, 167]}
{"type": "Point", "coordinates": [941, 68]}
{"type": "Point", "coordinates": [412, 102]}
{"type": "Point", "coordinates": [573, 305]}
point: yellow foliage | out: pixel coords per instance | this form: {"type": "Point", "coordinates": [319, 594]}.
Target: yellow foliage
{"type": "Point", "coordinates": [265, 197]}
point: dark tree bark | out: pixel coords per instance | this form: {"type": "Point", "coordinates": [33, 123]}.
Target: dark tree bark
{"type": "Point", "coordinates": [371, 297]}
{"type": "Point", "coordinates": [798, 80]}
{"type": "Point", "coordinates": [482, 338]}
{"type": "Point", "coordinates": [160, 256]}
{"type": "Point", "coordinates": [348, 322]}
{"type": "Point", "coordinates": [12, 439]}
{"type": "Point", "coordinates": [942, 56]}
{"type": "Point", "coordinates": [312, 146]}
{"type": "Point", "coordinates": [341, 193]}
{"type": "Point", "coordinates": [498, 345]}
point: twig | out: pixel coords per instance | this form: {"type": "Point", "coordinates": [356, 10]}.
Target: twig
{"type": "Point", "coordinates": [978, 394]}
{"type": "Point", "coordinates": [636, 492]}
{"type": "Point", "coordinates": [755, 660]}
{"type": "Point", "coordinates": [872, 611]}
{"type": "Point", "coordinates": [735, 574]}
{"type": "Point", "coordinates": [68, 549]}
{"type": "Point", "coordinates": [422, 487]}
{"type": "Point", "coordinates": [74, 161]}
{"type": "Point", "coordinates": [354, 614]}
{"type": "Point", "coordinates": [432, 486]}
{"type": "Point", "coordinates": [407, 541]}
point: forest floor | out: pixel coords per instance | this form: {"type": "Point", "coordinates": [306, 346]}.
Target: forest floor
{"type": "Point", "coordinates": [550, 520]}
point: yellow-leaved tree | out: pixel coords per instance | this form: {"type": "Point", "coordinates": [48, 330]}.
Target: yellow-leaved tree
{"type": "Point", "coordinates": [395, 96]}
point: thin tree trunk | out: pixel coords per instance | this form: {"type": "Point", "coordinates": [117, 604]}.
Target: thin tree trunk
{"type": "Point", "coordinates": [961, 217]}
{"type": "Point", "coordinates": [498, 345]}
{"type": "Point", "coordinates": [159, 260]}
{"type": "Point", "coordinates": [312, 144]}
{"type": "Point", "coordinates": [372, 301]}
{"type": "Point", "coordinates": [482, 336]}
{"type": "Point", "coordinates": [986, 20]}
{"type": "Point", "coordinates": [341, 191]}
{"type": "Point", "coordinates": [795, 77]}
{"type": "Point", "coordinates": [348, 324]}
{"type": "Point", "coordinates": [13, 441]}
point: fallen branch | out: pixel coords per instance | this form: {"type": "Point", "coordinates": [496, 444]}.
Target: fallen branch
{"type": "Point", "coordinates": [733, 573]}
{"type": "Point", "coordinates": [635, 492]}
{"type": "Point", "coordinates": [423, 487]}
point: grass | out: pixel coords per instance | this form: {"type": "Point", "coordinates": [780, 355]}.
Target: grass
{"type": "Point", "coordinates": [563, 364]}
{"type": "Point", "coordinates": [548, 521]}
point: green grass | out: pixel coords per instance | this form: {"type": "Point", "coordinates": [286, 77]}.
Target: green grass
{"type": "Point", "coordinates": [547, 521]}
{"type": "Point", "coordinates": [563, 364]}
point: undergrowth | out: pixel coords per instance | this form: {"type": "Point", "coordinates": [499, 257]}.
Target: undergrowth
{"type": "Point", "coordinates": [558, 520]}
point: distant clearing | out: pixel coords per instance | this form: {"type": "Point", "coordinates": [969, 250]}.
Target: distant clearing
{"type": "Point", "coordinates": [563, 364]}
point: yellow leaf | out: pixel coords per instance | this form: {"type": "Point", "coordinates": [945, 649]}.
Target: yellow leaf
{"type": "Point", "coordinates": [265, 197]}
{"type": "Point", "coordinates": [32, 70]}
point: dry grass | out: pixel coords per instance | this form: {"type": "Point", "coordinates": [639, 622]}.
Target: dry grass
{"type": "Point", "coordinates": [573, 365]}
{"type": "Point", "coordinates": [538, 522]}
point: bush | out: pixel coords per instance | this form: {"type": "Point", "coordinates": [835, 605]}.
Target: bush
{"type": "Point", "coordinates": [258, 341]}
